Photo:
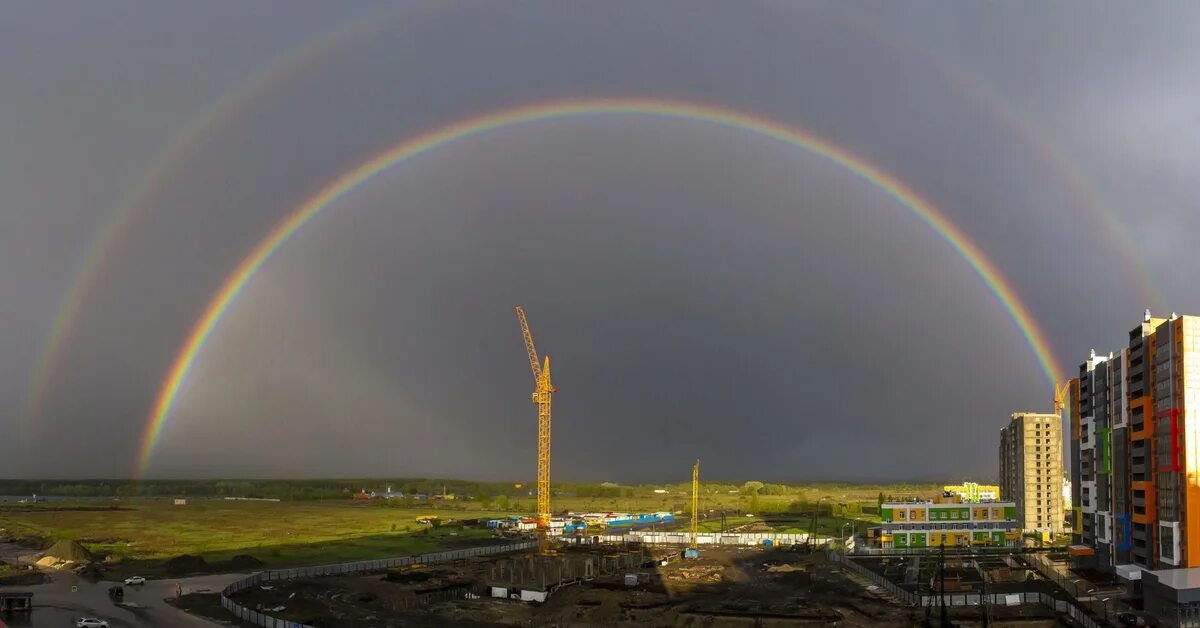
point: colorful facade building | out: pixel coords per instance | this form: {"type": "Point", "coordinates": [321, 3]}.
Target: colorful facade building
{"type": "Point", "coordinates": [1136, 450]}
{"type": "Point", "coordinates": [949, 522]}
{"type": "Point", "coordinates": [972, 493]}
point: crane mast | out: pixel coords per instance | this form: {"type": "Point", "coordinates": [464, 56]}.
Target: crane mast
{"type": "Point", "coordinates": [543, 392]}
{"type": "Point", "coordinates": [695, 502]}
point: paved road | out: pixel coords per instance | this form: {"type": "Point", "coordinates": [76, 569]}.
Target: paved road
{"type": "Point", "coordinates": [57, 606]}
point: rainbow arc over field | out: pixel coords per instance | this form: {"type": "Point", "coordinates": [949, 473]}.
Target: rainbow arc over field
{"type": "Point", "coordinates": [564, 109]}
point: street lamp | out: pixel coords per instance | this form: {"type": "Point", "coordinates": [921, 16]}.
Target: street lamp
{"type": "Point", "coordinates": [1105, 602]}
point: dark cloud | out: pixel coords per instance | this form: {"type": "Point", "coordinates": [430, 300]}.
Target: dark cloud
{"type": "Point", "coordinates": [702, 291]}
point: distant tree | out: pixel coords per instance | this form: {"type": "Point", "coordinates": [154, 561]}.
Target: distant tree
{"type": "Point", "coordinates": [482, 496]}
{"type": "Point", "coordinates": [502, 502]}
{"type": "Point", "coordinates": [753, 503]}
{"type": "Point", "coordinates": [752, 487]}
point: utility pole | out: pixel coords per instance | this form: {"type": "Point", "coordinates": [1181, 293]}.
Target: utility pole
{"type": "Point", "coordinates": [942, 586]}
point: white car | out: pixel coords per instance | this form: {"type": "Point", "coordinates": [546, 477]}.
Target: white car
{"type": "Point", "coordinates": [91, 622]}
{"type": "Point", "coordinates": [135, 580]}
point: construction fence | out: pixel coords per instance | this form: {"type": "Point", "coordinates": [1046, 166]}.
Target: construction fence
{"type": "Point", "coordinates": [758, 539]}
{"type": "Point", "coordinates": [359, 567]}
{"type": "Point", "coordinates": [1069, 607]}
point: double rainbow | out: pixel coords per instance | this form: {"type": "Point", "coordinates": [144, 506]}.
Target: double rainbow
{"type": "Point", "coordinates": [555, 110]}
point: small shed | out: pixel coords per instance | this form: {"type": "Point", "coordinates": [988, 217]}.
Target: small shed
{"type": "Point", "coordinates": [180, 501]}
{"type": "Point", "coordinates": [15, 601]}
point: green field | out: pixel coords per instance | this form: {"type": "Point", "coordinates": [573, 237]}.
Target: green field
{"type": "Point", "coordinates": [141, 534]}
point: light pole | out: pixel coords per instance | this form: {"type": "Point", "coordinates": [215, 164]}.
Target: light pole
{"type": "Point", "coordinates": [1092, 600]}
{"type": "Point", "coordinates": [1105, 602]}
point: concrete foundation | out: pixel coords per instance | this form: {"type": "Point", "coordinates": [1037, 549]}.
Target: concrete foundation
{"type": "Point", "coordinates": [534, 578]}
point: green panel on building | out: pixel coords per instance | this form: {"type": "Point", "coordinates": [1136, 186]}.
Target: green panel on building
{"type": "Point", "coordinates": [900, 539]}
{"type": "Point", "coordinates": [998, 538]}
{"type": "Point", "coordinates": [949, 513]}
{"type": "Point", "coordinates": [917, 539]}
{"type": "Point", "coordinates": [885, 514]}
{"type": "Point", "coordinates": [980, 537]}
{"type": "Point", "coordinates": [1010, 513]}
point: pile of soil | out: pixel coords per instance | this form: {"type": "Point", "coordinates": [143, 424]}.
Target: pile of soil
{"type": "Point", "coordinates": [244, 562]}
{"type": "Point", "coordinates": [185, 564]}
{"type": "Point", "coordinates": [71, 551]}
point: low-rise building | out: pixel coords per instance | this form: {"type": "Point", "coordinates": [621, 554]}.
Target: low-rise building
{"type": "Point", "coordinates": [973, 493]}
{"type": "Point", "coordinates": [949, 522]}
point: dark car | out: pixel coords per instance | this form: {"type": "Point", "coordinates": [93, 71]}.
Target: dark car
{"type": "Point", "coordinates": [1131, 619]}
{"type": "Point", "coordinates": [116, 592]}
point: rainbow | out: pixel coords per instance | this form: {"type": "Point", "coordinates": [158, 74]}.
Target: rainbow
{"type": "Point", "coordinates": [555, 110]}
{"type": "Point", "coordinates": [173, 159]}
{"type": "Point", "coordinates": [1082, 193]}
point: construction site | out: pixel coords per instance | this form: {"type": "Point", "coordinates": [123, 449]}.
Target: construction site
{"type": "Point", "coordinates": [673, 576]}
{"type": "Point", "coordinates": [613, 586]}
{"type": "Point", "coordinates": [684, 578]}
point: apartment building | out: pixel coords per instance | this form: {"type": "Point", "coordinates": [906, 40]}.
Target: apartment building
{"type": "Point", "coordinates": [1031, 471]}
{"type": "Point", "coordinates": [1136, 465]}
{"type": "Point", "coordinates": [1138, 462]}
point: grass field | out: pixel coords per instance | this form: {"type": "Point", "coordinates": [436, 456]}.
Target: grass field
{"type": "Point", "coordinates": [143, 533]}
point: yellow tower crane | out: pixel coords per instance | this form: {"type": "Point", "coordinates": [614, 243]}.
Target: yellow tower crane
{"type": "Point", "coordinates": [695, 502]}
{"type": "Point", "coordinates": [1060, 397]}
{"type": "Point", "coordinates": [543, 392]}
{"type": "Point", "coordinates": [693, 550]}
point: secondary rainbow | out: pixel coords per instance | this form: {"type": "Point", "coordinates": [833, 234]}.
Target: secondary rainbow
{"type": "Point", "coordinates": [168, 165]}
{"type": "Point", "coordinates": [1082, 192]}
{"type": "Point", "coordinates": [554, 110]}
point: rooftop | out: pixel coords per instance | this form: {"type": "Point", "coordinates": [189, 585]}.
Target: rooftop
{"type": "Point", "coordinates": [1179, 579]}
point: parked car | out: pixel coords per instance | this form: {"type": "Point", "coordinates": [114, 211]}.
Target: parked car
{"type": "Point", "coordinates": [1131, 619]}
{"type": "Point", "coordinates": [91, 622]}
{"type": "Point", "coordinates": [135, 580]}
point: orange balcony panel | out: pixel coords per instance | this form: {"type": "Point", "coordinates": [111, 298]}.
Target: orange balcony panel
{"type": "Point", "coordinates": [1146, 490]}
{"type": "Point", "coordinates": [1147, 406]}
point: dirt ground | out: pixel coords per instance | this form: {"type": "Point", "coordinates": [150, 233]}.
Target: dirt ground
{"type": "Point", "coordinates": [724, 588]}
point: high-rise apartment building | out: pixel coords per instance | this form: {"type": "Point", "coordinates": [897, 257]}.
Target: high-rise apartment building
{"type": "Point", "coordinates": [1031, 470]}
{"type": "Point", "coordinates": [1136, 454]}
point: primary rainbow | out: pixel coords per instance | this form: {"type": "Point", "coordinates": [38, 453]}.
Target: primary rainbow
{"type": "Point", "coordinates": [425, 142]}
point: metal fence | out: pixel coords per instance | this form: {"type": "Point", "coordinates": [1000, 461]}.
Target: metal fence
{"type": "Point", "coordinates": [1069, 607]}
{"type": "Point", "coordinates": [712, 538]}
{"type": "Point", "coordinates": [359, 567]}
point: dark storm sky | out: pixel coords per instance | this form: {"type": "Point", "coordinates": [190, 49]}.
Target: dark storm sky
{"type": "Point", "coordinates": [702, 292]}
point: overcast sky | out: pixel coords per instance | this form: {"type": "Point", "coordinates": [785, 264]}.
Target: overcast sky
{"type": "Point", "coordinates": [702, 291]}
